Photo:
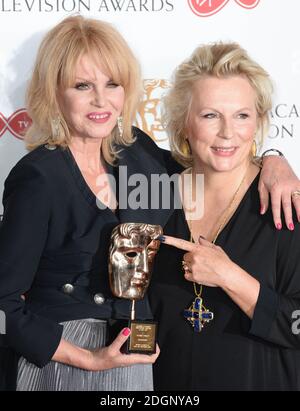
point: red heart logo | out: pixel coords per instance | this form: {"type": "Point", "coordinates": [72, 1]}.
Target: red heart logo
{"type": "Point", "coordinates": [3, 124]}
{"type": "Point", "coordinates": [205, 8]}
{"type": "Point", "coordinates": [18, 123]}
{"type": "Point", "coordinates": [248, 4]}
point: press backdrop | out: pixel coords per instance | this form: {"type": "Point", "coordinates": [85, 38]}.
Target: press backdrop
{"type": "Point", "coordinates": [162, 33]}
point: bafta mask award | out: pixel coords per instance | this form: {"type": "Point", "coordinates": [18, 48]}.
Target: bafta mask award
{"type": "Point", "coordinates": [131, 256]}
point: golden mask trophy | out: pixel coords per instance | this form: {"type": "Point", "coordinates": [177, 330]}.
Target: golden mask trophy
{"type": "Point", "coordinates": [131, 256]}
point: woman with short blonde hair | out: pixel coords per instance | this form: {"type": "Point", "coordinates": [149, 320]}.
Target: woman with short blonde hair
{"type": "Point", "coordinates": [219, 60]}
{"type": "Point", "coordinates": [228, 290]}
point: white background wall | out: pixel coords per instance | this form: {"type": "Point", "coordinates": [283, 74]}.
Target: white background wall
{"type": "Point", "coordinates": [161, 39]}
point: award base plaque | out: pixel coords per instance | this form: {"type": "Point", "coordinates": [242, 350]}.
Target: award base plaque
{"type": "Point", "coordinates": [142, 339]}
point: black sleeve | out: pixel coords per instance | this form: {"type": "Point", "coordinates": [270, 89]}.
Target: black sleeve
{"type": "Point", "coordinates": [23, 234]}
{"type": "Point", "coordinates": [149, 145]}
{"type": "Point", "coordinates": [273, 317]}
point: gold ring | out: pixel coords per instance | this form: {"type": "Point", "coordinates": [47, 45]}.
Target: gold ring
{"type": "Point", "coordinates": [296, 193]}
{"type": "Point", "coordinates": [185, 266]}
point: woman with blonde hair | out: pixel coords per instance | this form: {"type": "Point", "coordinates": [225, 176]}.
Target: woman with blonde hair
{"type": "Point", "coordinates": [227, 291]}
{"type": "Point", "coordinates": [60, 207]}
{"type": "Point", "coordinates": [56, 226]}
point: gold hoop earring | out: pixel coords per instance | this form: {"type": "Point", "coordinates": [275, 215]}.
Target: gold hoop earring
{"type": "Point", "coordinates": [254, 159]}
{"type": "Point", "coordinates": [120, 126]}
{"type": "Point", "coordinates": [254, 149]}
{"type": "Point", "coordinates": [185, 148]}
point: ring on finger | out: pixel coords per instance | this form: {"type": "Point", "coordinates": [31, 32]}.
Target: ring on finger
{"type": "Point", "coordinates": [185, 266]}
{"type": "Point", "coordinates": [296, 193]}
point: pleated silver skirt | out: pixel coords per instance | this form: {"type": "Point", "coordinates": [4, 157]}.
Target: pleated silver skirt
{"type": "Point", "coordinates": [89, 334]}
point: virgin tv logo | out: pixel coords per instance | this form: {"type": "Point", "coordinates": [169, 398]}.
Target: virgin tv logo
{"type": "Point", "coordinates": [16, 124]}
{"type": "Point", "coordinates": [206, 8]}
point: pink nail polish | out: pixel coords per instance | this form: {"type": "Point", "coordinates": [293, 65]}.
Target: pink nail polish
{"type": "Point", "coordinates": [126, 332]}
{"type": "Point", "coordinates": [262, 210]}
{"type": "Point", "coordinates": [279, 226]}
{"type": "Point", "coordinates": [292, 227]}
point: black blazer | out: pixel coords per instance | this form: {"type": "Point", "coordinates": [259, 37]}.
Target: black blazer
{"type": "Point", "coordinates": [54, 242]}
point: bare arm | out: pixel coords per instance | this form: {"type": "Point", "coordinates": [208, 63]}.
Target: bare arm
{"type": "Point", "coordinates": [278, 181]}
{"type": "Point", "coordinates": [103, 358]}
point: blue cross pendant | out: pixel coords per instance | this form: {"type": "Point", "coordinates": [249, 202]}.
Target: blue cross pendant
{"type": "Point", "coordinates": [198, 315]}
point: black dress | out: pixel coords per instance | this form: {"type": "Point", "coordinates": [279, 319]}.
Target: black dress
{"type": "Point", "coordinates": [232, 352]}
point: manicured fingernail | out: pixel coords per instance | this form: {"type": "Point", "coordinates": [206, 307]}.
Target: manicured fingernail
{"type": "Point", "coordinates": [161, 238]}
{"type": "Point", "coordinates": [262, 210]}
{"type": "Point", "coordinates": [279, 226]}
{"type": "Point", "coordinates": [291, 227]}
{"type": "Point", "coordinates": [126, 332]}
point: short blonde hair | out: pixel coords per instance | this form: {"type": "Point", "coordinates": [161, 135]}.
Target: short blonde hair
{"type": "Point", "coordinates": [55, 66]}
{"type": "Point", "coordinates": [219, 60]}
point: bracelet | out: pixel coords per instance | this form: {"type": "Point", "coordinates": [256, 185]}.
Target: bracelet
{"type": "Point", "coordinates": [273, 150]}
{"type": "Point", "coordinates": [258, 161]}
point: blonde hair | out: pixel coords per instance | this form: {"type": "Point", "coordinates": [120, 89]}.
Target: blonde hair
{"type": "Point", "coordinates": [55, 66]}
{"type": "Point", "coordinates": [219, 60]}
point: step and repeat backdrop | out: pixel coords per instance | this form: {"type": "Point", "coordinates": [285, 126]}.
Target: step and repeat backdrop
{"type": "Point", "coordinates": [162, 33]}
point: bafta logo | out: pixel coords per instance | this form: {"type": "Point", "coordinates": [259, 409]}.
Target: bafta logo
{"type": "Point", "coordinates": [149, 112]}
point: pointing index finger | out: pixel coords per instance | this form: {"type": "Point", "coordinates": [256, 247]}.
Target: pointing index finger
{"type": "Point", "coordinates": [179, 243]}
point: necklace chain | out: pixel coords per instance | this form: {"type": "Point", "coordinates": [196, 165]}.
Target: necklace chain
{"type": "Point", "coordinates": [224, 216]}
